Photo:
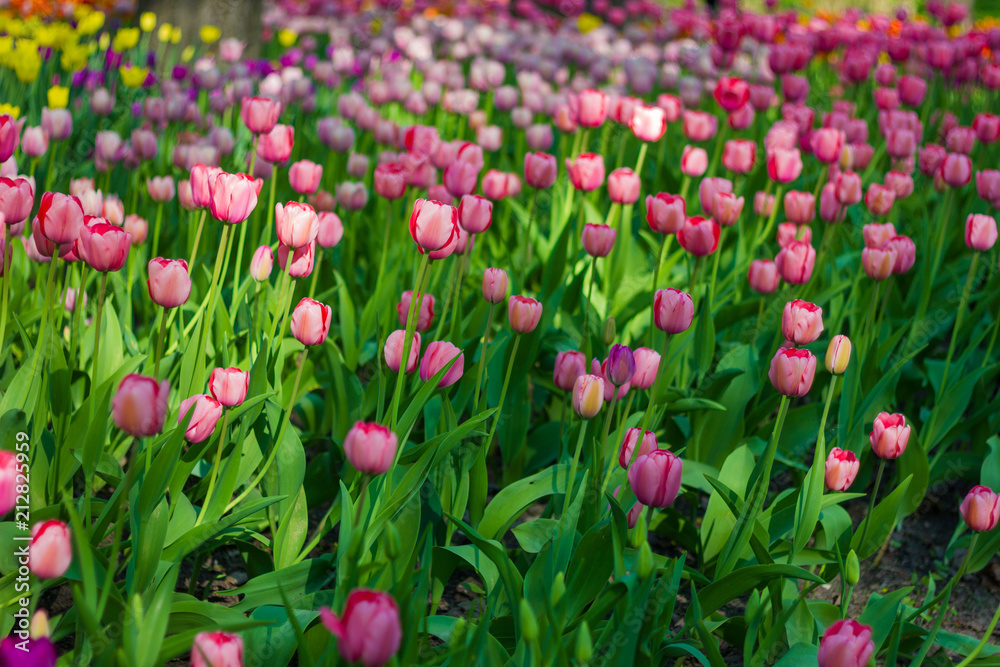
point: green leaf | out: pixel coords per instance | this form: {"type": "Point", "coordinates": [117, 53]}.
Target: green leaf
{"type": "Point", "coordinates": [799, 656]}
{"type": "Point", "coordinates": [511, 502]}
{"type": "Point", "coordinates": [880, 614]}
{"type": "Point", "coordinates": [810, 497]}
{"type": "Point", "coordinates": [292, 530]}
{"type": "Point", "coordinates": [883, 520]}
{"type": "Point", "coordinates": [348, 328]}
{"type": "Point", "coordinates": [714, 596]}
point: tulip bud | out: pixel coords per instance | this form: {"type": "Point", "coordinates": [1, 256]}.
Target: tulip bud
{"type": "Point", "coordinates": [9, 470]}
{"type": "Point", "coordinates": [647, 364]}
{"type": "Point", "coordinates": [205, 415]}
{"type": "Point", "coordinates": [646, 442]}
{"type": "Point", "coordinates": [792, 371]}
{"type": "Point", "coordinates": [569, 365]}
{"type": "Point", "coordinates": [980, 231]}
{"type": "Point", "coordinates": [366, 609]}
{"type": "Point", "coordinates": [494, 285]}
{"type": "Point", "coordinates": [852, 569]}
{"type": "Point", "coordinates": [311, 322]}
{"type": "Point", "coordinates": [699, 236]}
{"type": "Point", "coordinates": [644, 564]}
{"type": "Point", "coordinates": [425, 315]}
{"type": "Point", "coordinates": [878, 263]}
{"type": "Point", "coordinates": [801, 322]}
{"type": "Point", "coordinates": [438, 355]}
{"type": "Point", "coordinates": [656, 478]}
{"type": "Point", "coordinates": [558, 589]}
{"type": "Point", "coordinates": [598, 239]}
{"type": "Point", "coordinates": [673, 310]}
{"type": "Point", "coordinates": [584, 649]}
{"type": "Point", "coordinates": [393, 543]}
{"type": "Point", "coordinates": [840, 469]}
{"type": "Point", "coordinates": [393, 351]}
{"type": "Point", "coordinates": [763, 276]}
{"type": "Point", "coordinates": [889, 435]}
{"type": "Point", "coordinates": [523, 313]}
{"type": "Point", "coordinates": [665, 213]}
{"type": "Point", "coordinates": [139, 407]}
{"type": "Point", "coordinates": [371, 448]}
{"type": "Point", "coordinates": [981, 509]}
{"type": "Point", "coordinates": [229, 386]}
{"type": "Point", "coordinates": [838, 354]}
{"type": "Point", "coordinates": [262, 263]}
{"type": "Point", "coordinates": [50, 551]}
{"type": "Point", "coordinates": [588, 395]}
{"type": "Point", "coordinates": [529, 624]}
{"type": "Point", "coordinates": [608, 331]}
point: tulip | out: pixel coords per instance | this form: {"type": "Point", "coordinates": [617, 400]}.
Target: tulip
{"type": "Point", "coordinates": [956, 170]}
{"type": "Point", "coordinates": [202, 182]}
{"type": "Point", "coordinates": [801, 322]}
{"type": "Point", "coordinates": [889, 435]}
{"type": "Point", "coordinates": [229, 386]}
{"type": "Point", "coordinates": [10, 136]}
{"type": "Point", "coordinates": [838, 354]}
{"type": "Point", "coordinates": [830, 208]}
{"type": "Point", "coordinates": [331, 230]}
{"type": "Point", "coordinates": [354, 196]}
{"type": "Point", "coordinates": [426, 314]}
{"type": "Point", "coordinates": [980, 231]}
{"type": "Point", "coordinates": [475, 214]}
{"type": "Point", "coordinates": [357, 165]}
{"type": "Point", "coordinates": [494, 289]}
{"type": "Point", "coordinates": [673, 310]}
{"type": "Point", "coordinates": [185, 197]}
{"type": "Point", "coordinates": [841, 469]}
{"type": "Point", "coordinates": [878, 263]}
{"type": "Point", "coordinates": [305, 176]}
{"type": "Point", "coordinates": [763, 276]}
{"type": "Point", "coordinates": [540, 170]}
{"type": "Point", "coordinates": [598, 239]}
{"type": "Point", "coordinates": [438, 355]}
{"type": "Point", "coordinates": [103, 246]}
{"type": "Point", "coordinates": [421, 139]}
{"type": "Point", "coordinates": [586, 172]}
{"type": "Point", "coordinates": [699, 236]}
{"type": "Point", "coordinates": [433, 225]}
{"type": "Point", "coordinates": [591, 108]}
{"type": "Point", "coordinates": [60, 217]}
{"type": "Point", "coordinates": [632, 516]}
{"type": "Point", "coordinates": [648, 123]}
{"type": "Point", "coordinates": [311, 322]}
{"type": "Point", "coordinates": [731, 93]}
{"type": "Point", "coordinates": [783, 165]}
{"type": "Point", "coordinates": [460, 178]}
{"type": "Point", "coordinates": [217, 649]}
{"type": "Point", "coordinates": [623, 186]}
{"type": "Point", "coordinates": [569, 365]}
{"type": "Point", "coordinates": [906, 253]}
{"type": "Point", "coordinates": [139, 407]}
{"type": "Point", "coordinates": [205, 415]}
{"type": "Point", "coordinates": [646, 441]}
{"type": "Point", "coordinates": [17, 197]}
{"type": "Point", "coordinates": [792, 371]}
{"type": "Point", "coordinates": [259, 114]}
{"type": "Point", "coordinates": [707, 190]}
{"type": "Point", "coordinates": [727, 209]}
{"type": "Point", "coordinates": [620, 365]}
{"type": "Point", "coordinates": [161, 188]}
{"type": "Point", "coordinates": [656, 478]}
{"type": "Point", "coordinates": [960, 140]}
{"type": "Point", "coordinates": [371, 448]}
{"type": "Point", "coordinates": [647, 364]}
{"type": "Point", "coordinates": [665, 213]}
{"type": "Point", "coordinates": [368, 631]}
{"type": "Point", "coordinates": [901, 184]}
{"type": "Point", "coordinates": [9, 470]}
{"type": "Point", "coordinates": [58, 123]}
{"type": "Point", "coordinates": [763, 203]}
{"type": "Point", "coordinates": [276, 146]}
{"type": "Point", "coordinates": [699, 125]}
{"type": "Point", "coordinates": [34, 142]}
{"type": "Point", "coordinates": [523, 313]}
{"type": "Point", "coordinates": [848, 188]}
{"type": "Point", "coordinates": [297, 224]}
{"type": "Point", "coordinates": [494, 185]}
{"type": "Point", "coordinates": [588, 395]}
{"type": "Point", "coordinates": [234, 197]}
{"type": "Point", "coordinates": [827, 144]}
{"type": "Point", "coordinates": [879, 199]}
{"type": "Point", "coordinates": [981, 509]}
{"type": "Point", "coordinates": [912, 90]}
{"type": "Point", "coordinates": [137, 227]}
{"type": "Point", "coordinates": [846, 643]}
{"type": "Point", "coordinates": [694, 161]}
{"type": "Point", "coordinates": [393, 351]}
{"type": "Point", "coordinates": [489, 138]}
{"type": "Point", "coordinates": [987, 127]}
{"type": "Point", "coordinates": [169, 283]}
{"type": "Point", "coordinates": [50, 551]}
{"type": "Point", "coordinates": [262, 263]}
{"type": "Point", "coordinates": [800, 207]}
{"type": "Point", "coordinates": [92, 202]}
{"type": "Point", "coordinates": [739, 155]}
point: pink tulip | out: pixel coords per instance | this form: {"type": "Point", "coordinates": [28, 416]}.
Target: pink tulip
{"type": "Point", "coordinates": [371, 448]}
{"type": "Point", "coordinates": [523, 313]}
{"type": "Point", "coordinates": [217, 649]}
{"type": "Point", "coordinates": [494, 285]}
{"type": "Point", "coordinates": [275, 146]}
{"type": "Point", "coordinates": [792, 371]}
{"type": "Point", "coordinates": [297, 224]}
{"type": "Point", "coordinates": [229, 386]}
{"type": "Point", "coordinates": [647, 364]}
{"type": "Point", "coordinates": [889, 435]}
{"type": "Point", "coordinates": [801, 322]}
{"type": "Point", "coordinates": [586, 172]}
{"type": "Point", "coordinates": [390, 180]}
{"type": "Point", "coordinates": [623, 186]}
{"type": "Point", "coordinates": [699, 236]}
{"type": "Point", "coordinates": [901, 184]}
{"type": "Point", "coordinates": [60, 217]}
{"type": "Point", "coordinates": [848, 188]}
{"type": "Point", "coordinates": [879, 199]}
{"type": "Point", "coordinates": [10, 468]}
{"type": "Point", "coordinates": [161, 188]}
{"type": "Point", "coordinates": [262, 263]}
{"type": "Point", "coordinates": [841, 469]}
{"type": "Point", "coordinates": [878, 263]}
{"type": "Point", "coordinates": [139, 407]}
{"type": "Point", "coordinates": [368, 631]}
{"type": "Point", "coordinates": [50, 552]}
{"type": "Point", "coordinates": [311, 322]}
{"type": "Point", "coordinates": [638, 443]}
{"type": "Point", "coordinates": [540, 170]}
{"type": "Point", "coordinates": [875, 235]}
{"type": "Point", "coordinates": [421, 139]}
{"type": "Point", "coordinates": [10, 136]}
{"type": "Point", "coordinates": [460, 178]}
{"type": "Point", "coordinates": [58, 123]}
{"type": "Point", "coordinates": [438, 355]}
{"type": "Point", "coordinates": [234, 197]}
{"type": "Point", "coordinates": [981, 509]}
{"type": "Point", "coordinates": [204, 417]}
{"type": "Point", "coordinates": [699, 125]}
{"type": "Point", "coordinates": [673, 310]}
{"type": "Point", "coordinates": [739, 155]}
{"type": "Point", "coordinates": [354, 196]}
{"type": "Point", "coordinates": [694, 161]}
{"type": "Point", "coordinates": [783, 166]}
{"type": "Point", "coordinates": [987, 127]}
{"type": "Point", "coordinates": [475, 214]}
{"type": "Point", "coordinates": [956, 170]}
{"type": "Point", "coordinates": [426, 314]}
{"type": "Point", "coordinates": [591, 108]}
{"type": "Point", "coordinates": [103, 246]}
{"type": "Point", "coordinates": [598, 239]}
{"type": "Point", "coordinates": [393, 350]}
{"type": "Point", "coordinates": [202, 182]}
{"type": "Point", "coordinates": [665, 213]}
{"type": "Point", "coordinates": [489, 138]}
{"type": "Point", "coordinates": [960, 140]}
{"type": "Point", "coordinates": [34, 142]}
{"type": "Point", "coordinates": [169, 283]}
{"type": "Point", "coordinates": [648, 123]}
{"type": "Point", "coordinates": [656, 478]}
{"type": "Point", "coordinates": [331, 230]}
{"type": "Point", "coordinates": [433, 225]}
{"type": "Point", "coordinates": [185, 197]}
{"type": "Point", "coordinates": [259, 114]}
{"type": "Point", "coordinates": [912, 90]}
{"type": "Point", "coordinates": [731, 93]}
{"type": "Point", "coordinates": [846, 643]}
{"type": "Point", "coordinates": [763, 203]}
{"type": "Point", "coordinates": [137, 227]}
{"type": "Point", "coordinates": [302, 259]}
{"type": "Point", "coordinates": [906, 252]}
{"type": "Point", "coordinates": [827, 144]}
{"type": "Point", "coordinates": [727, 209]}
{"type": "Point", "coordinates": [632, 516]}
{"type": "Point", "coordinates": [800, 207]}
{"type": "Point", "coordinates": [357, 165]}
{"type": "Point", "coordinates": [763, 276]}
{"type": "Point", "coordinates": [930, 158]}
{"type": "Point", "coordinates": [980, 231]}
{"type": "Point", "coordinates": [305, 176]}
{"type": "Point", "coordinates": [569, 365]}
{"type": "Point", "coordinates": [17, 197]}
{"type": "Point", "coordinates": [707, 190]}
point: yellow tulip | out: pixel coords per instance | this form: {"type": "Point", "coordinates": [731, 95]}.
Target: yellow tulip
{"type": "Point", "coordinates": [163, 34]}
{"type": "Point", "coordinates": [587, 22]}
{"type": "Point", "coordinates": [287, 37]}
{"type": "Point", "coordinates": [147, 21]}
{"type": "Point", "coordinates": [104, 41]}
{"type": "Point", "coordinates": [175, 35]}
{"type": "Point", "coordinates": [132, 76]}
{"type": "Point", "coordinates": [90, 23]}
{"type": "Point", "coordinates": [125, 39]}
{"type": "Point", "coordinates": [58, 97]}
{"type": "Point", "coordinates": [10, 110]}
{"type": "Point", "coordinates": [210, 34]}
{"type": "Point", "coordinates": [187, 54]}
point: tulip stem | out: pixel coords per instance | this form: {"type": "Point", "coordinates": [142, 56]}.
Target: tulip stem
{"type": "Point", "coordinates": [571, 480]}
{"type": "Point", "coordinates": [642, 159]}
{"type": "Point", "coordinates": [411, 323]}
{"type": "Point", "coordinates": [286, 285]}
{"type": "Point", "coordinates": [590, 301]}
{"type": "Point", "coordinates": [918, 659]}
{"type": "Point", "coordinates": [715, 270]}
{"type": "Point", "coordinates": [156, 229]}
{"type": "Point", "coordinates": [213, 287]}
{"type": "Point", "coordinates": [215, 469]}
{"type": "Point", "coordinates": [618, 440]}
{"type": "Point", "coordinates": [197, 237]}
{"type": "Point", "coordinates": [482, 359]}
{"type": "Point", "coordinates": [664, 247]}
{"type": "Point", "coordinates": [277, 441]}
{"type": "Point", "coordinates": [270, 207]}
{"type": "Point", "coordinates": [457, 291]}
{"type": "Point", "coordinates": [6, 256]}
{"type": "Point", "coordinates": [503, 396]}
{"type": "Point", "coordinates": [928, 276]}
{"type": "Point", "coordinates": [959, 316]}
{"type": "Point", "coordinates": [159, 343]}
{"type": "Point", "coordinates": [871, 502]}
{"type": "Point", "coordinates": [769, 227]}
{"type": "Point", "coordinates": [870, 320]}
{"type": "Point", "coordinates": [525, 268]}
{"type": "Point", "coordinates": [315, 271]}
{"type": "Point", "coordinates": [97, 323]}
{"type": "Point", "coordinates": [986, 637]}
{"type": "Point", "coordinates": [78, 305]}
{"type": "Point", "coordinates": [661, 371]}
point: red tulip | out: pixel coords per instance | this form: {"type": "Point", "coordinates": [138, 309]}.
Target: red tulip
{"type": "Point", "coordinates": [699, 236]}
